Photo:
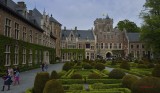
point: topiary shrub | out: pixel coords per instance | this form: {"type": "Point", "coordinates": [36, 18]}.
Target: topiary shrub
{"type": "Point", "coordinates": [60, 74]}
{"type": "Point", "coordinates": [67, 66]}
{"type": "Point", "coordinates": [40, 81]}
{"type": "Point", "coordinates": [128, 80]}
{"type": "Point", "coordinates": [125, 65]}
{"type": "Point", "coordinates": [150, 65]}
{"type": "Point", "coordinates": [156, 71]}
{"type": "Point", "coordinates": [87, 66]}
{"type": "Point", "coordinates": [116, 74]}
{"type": "Point", "coordinates": [94, 76]}
{"type": "Point", "coordinates": [146, 85]}
{"type": "Point", "coordinates": [100, 66]}
{"type": "Point", "coordinates": [76, 76]}
{"type": "Point", "coordinates": [54, 75]}
{"type": "Point", "coordinates": [53, 86]}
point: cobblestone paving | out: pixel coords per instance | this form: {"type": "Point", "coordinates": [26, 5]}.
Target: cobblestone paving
{"type": "Point", "coordinates": [27, 79]}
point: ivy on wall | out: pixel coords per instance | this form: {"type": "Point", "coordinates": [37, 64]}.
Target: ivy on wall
{"type": "Point", "coordinates": [21, 44]}
{"type": "Point", "coordinates": [118, 52]}
{"type": "Point", "coordinates": [76, 51]}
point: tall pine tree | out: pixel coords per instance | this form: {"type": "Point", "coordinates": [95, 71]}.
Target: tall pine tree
{"type": "Point", "coordinates": [150, 33]}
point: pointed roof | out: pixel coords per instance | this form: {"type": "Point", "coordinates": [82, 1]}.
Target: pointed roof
{"type": "Point", "coordinates": [53, 20]}
{"type": "Point", "coordinates": [36, 13]}
{"type": "Point", "coordinates": [133, 37]}
{"type": "Point", "coordinates": [81, 34]}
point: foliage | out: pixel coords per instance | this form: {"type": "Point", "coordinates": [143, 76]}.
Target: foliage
{"type": "Point", "coordinates": [40, 81]}
{"type": "Point", "coordinates": [104, 81]}
{"type": "Point", "coordinates": [142, 66]}
{"type": "Point", "coordinates": [71, 81]}
{"type": "Point", "coordinates": [100, 66]}
{"type": "Point", "coordinates": [53, 86]}
{"type": "Point", "coordinates": [125, 65]}
{"type": "Point", "coordinates": [98, 86]}
{"type": "Point", "coordinates": [129, 26]}
{"type": "Point", "coordinates": [78, 52]}
{"type": "Point", "coordinates": [76, 76]}
{"type": "Point", "coordinates": [116, 74]}
{"type": "Point", "coordinates": [156, 71]}
{"type": "Point", "coordinates": [128, 80]}
{"type": "Point", "coordinates": [150, 29]}
{"type": "Point", "coordinates": [21, 45]}
{"type": "Point", "coordinates": [146, 85]}
{"type": "Point", "coordinates": [94, 76]}
{"type": "Point", "coordinates": [54, 75]}
{"type": "Point", "coordinates": [76, 87]}
{"type": "Point", "coordinates": [67, 66]}
{"type": "Point", "coordinates": [60, 74]}
{"type": "Point", "coordinates": [87, 66]}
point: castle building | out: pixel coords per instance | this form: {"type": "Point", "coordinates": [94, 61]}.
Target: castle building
{"type": "Point", "coordinates": [103, 42]}
{"type": "Point", "coordinates": [27, 38]}
{"type": "Point", "coordinates": [78, 44]}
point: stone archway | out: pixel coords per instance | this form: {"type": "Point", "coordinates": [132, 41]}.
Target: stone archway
{"type": "Point", "coordinates": [108, 55]}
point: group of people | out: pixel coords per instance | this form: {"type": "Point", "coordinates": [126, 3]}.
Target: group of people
{"type": "Point", "coordinates": [11, 76]}
{"type": "Point", "coordinates": [44, 66]}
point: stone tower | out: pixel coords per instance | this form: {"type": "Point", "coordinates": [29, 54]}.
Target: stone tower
{"type": "Point", "coordinates": [109, 39]}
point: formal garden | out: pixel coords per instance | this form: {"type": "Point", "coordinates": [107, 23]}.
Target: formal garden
{"type": "Point", "coordinates": [94, 77]}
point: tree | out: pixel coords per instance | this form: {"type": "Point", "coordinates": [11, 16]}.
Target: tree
{"type": "Point", "coordinates": [151, 27]}
{"type": "Point", "coordinates": [128, 25]}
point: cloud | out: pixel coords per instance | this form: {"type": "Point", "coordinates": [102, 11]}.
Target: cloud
{"type": "Point", "coordinates": [82, 13]}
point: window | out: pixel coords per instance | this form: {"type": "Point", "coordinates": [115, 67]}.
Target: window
{"type": "Point", "coordinates": [106, 45]}
{"type": "Point", "coordinates": [101, 45]}
{"type": "Point", "coordinates": [63, 56]}
{"type": "Point", "coordinates": [36, 57]}
{"type": "Point", "coordinates": [80, 46]}
{"type": "Point", "coordinates": [16, 57]}
{"type": "Point", "coordinates": [92, 55]}
{"type": "Point", "coordinates": [30, 36]}
{"type": "Point", "coordinates": [40, 56]}
{"type": "Point", "coordinates": [110, 45]}
{"type": "Point", "coordinates": [92, 47]}
{"type": "Point", "coordinates": [24, 56]}
{"type": "Point", "coordinates": [36, 38]}
{"type": "Point", "coordinates": [97, 45]}
{"type": "Point", "coordinates": [24, 35]}
{"type": "Point", "coordinates": [7, 31]}
{"type": "Point", "coordinates": [137, 46]}
{"type": "Point", "coordinates": [131, 46]}
{"type": "Point", "coordinates": [40, 40]}
{"type": "Point", "coordinates": [16, 31]}
{"type": "Point", "coordinates": [87, 45]}
{"type": "Point", "coordinates": [115, 46]}
{"type": "Point", "coordinates": [7, 55]}
{"type": "Point", "coordinates": [120, 45]}
{"type": "Point", "coordinates": [80, 57]}
{"type": "Point", "coordinates": [30, 56]}
{"type": "Point", "coordinates": [142, 46]}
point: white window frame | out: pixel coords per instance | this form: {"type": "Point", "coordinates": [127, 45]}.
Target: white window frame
{"type": "Point", "coordinates": [16, 55]}
{"type": "Point", "coordinates": [7, 55]}
{"type": "Point", "coordinates": [24, 56]}
{"type": "Point", "coordinates": [7, 27]}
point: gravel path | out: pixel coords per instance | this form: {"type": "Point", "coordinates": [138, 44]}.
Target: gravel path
{"type": "Point", "coordinates": [27, 79]}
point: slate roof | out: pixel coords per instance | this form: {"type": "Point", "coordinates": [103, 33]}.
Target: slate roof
{"type": "Point", "coordinates": [54, 20]}
{"type": "Point", "coordinates": [81, 34]}
{"type": "Point", "coordinates": [133, 37]}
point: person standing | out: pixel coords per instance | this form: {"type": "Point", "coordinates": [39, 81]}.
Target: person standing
{"type": "Point", "coordinates": [42, 66]}
{"type": "Point", "coordinates": [16, 78]}
{"type": "Point", "coordinates": [7, 82]}
{"type": "Point", "coordinates": [46, 66]}
{"type": "Point", "coordinates": [10, 72]}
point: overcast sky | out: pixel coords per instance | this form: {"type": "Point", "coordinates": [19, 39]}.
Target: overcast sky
{"type": "Point", "coordinates": [82, 13]}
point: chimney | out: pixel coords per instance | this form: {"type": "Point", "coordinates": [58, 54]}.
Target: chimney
{"type": "Point", "coordinates": [76, 28]}
{"type": "Point", "coordinates": [21, 4]}
{"type": "Point", "coordinates": [30, 12]}
{"type": "Point", "coordinates": [64, 28]}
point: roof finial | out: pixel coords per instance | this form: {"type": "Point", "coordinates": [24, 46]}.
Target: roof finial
{"type": "Point", "coordinates": [44, 12]}
{"type": "Point", "coordinates": [51, 15]}
{"type": "Point", "coordinates": [107, 17]}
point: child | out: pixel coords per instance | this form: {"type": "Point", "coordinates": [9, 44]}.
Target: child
{"type": "Point", "coordinates": [16, 78]}
{"type": "Point", "coordinates": [7, 82]}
